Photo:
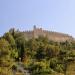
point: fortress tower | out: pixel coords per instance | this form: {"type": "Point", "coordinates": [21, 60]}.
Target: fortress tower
{"type": "Point", "coordinates": [34, 27]}
{"type": "Point", "coordinates": [37, 32]}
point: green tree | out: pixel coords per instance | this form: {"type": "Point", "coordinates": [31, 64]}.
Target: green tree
{"type": "Point", "coordinates": [52, 51]}
{"type": "Point", "coordinates": [40, 68]}
{"type": "Point", "coordinates": [10, 39]}
{"type": "Point", "coordinates": [20, 41]}
{"type": "Point", "coordinates": [5, 59]}
{"type": "Point", "coordinates": [40, 54]}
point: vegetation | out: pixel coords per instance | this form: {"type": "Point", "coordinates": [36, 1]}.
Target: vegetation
{"type": "Point", "coordinates": [39, 56]}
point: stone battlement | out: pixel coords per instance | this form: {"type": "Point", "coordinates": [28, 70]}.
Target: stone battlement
{"type": "Point", "coordinates": [51, 35]}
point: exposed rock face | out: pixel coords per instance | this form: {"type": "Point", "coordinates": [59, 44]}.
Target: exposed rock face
{"type": "Point", "coordinates": [55, 36]}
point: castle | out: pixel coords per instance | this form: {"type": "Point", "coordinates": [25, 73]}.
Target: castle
{"type": "Point", "coordinates": [55, 36]}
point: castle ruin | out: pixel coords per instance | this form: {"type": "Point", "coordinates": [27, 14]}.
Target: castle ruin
{"type": "Point", "coordinates": [55, 36]}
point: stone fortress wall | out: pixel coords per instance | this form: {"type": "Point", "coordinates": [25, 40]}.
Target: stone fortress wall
{"type": "Point", "coordinates": [55, 36]}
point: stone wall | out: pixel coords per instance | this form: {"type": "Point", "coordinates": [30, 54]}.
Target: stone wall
{"type": "Point", "coordinates": [55, 36]}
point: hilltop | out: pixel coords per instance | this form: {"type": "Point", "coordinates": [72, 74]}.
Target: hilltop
{"type": "Point", "coordinates": [51, 35]}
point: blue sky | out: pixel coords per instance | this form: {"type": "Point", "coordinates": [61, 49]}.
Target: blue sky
{"type": "Point", "coordinates": [54, 15]}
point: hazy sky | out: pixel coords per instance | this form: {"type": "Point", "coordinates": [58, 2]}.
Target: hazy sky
{"type": "Point", "coordinates": [54, 15]}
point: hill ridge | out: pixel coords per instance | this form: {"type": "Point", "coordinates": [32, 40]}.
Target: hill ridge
{"type": "Point", "coordinates": [51, 35]}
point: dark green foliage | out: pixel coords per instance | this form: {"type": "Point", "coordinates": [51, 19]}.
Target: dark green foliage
{"type": "Point", "coordinates": [40, 54]}
{"type": "Point", "coordinates": [20, 42]}
{"type": "Point", "coordinates": [10, 39]}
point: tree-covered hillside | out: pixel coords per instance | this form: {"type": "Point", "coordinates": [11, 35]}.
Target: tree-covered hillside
{"type": "Point", "coordinates": [38, 56]}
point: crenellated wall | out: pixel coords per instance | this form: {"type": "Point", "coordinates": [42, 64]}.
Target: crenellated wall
{"type": "Point", "coordinates": [56, 36]}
